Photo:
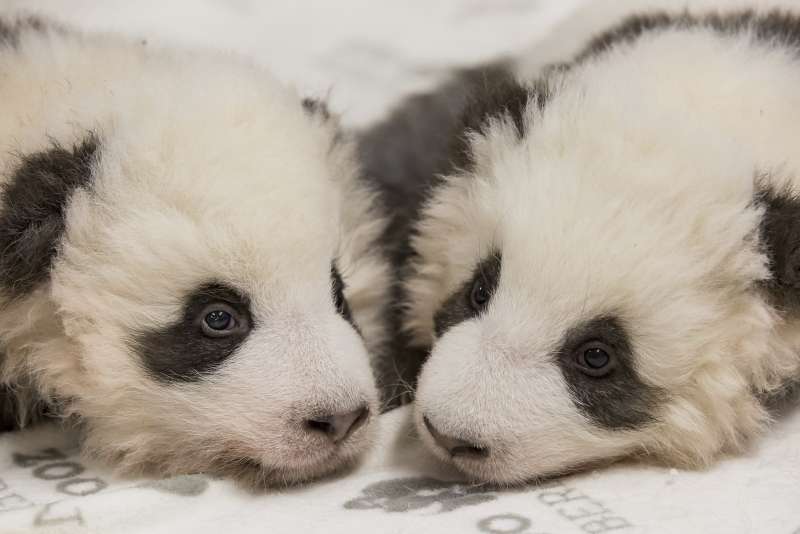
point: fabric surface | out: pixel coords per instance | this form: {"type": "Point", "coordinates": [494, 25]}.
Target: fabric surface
{"type": "Point", "coordinates": [365, 55]}
{"type": "Point", "coordinates": [45, 486]}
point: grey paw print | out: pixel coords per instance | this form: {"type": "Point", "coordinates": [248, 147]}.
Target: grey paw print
{"type": "Point", "coordinates": [183, 485]}
{"type": "Point", "coordinates": [408, 494]}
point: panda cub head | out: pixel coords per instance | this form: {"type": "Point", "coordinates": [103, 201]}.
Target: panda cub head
{"type": "Point", "coordinates": [610, 266]}
{"type": "Point", "coordinates": [188, 260]}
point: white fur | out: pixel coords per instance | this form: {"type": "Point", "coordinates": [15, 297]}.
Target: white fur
{"type": "Point", "coordinates": [209, 169]}
{"type": "Point", "coordinates": [631, 194]}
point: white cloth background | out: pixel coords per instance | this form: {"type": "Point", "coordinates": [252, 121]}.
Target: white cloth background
{"type": "Point", "coordinates": [399, 488]}
{"type": "Point", "coordinates": [366, 54]}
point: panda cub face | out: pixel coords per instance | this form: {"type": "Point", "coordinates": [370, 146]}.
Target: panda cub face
{"type": "Point", "coordinates": [582, 325]}
{"type": "Point", "coordinates": [192, 271]}
{"type": "Point", "coordinates": [598, 279]}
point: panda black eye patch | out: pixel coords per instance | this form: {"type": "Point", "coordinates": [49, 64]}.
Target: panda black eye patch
{"type": "Point", "coordinates": [472, 298]}
{"type": "Point", "coordinates": [215, 321]}
{"type": "Point", "coordinates": [598, 363]}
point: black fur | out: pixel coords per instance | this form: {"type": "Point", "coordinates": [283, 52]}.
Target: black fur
{"type": "Point", "coordinates": [10, 30]}
{"type": "Point", "coordinates": [406, 153]}
{"type": "Point", "coordinates": [499, 96]}
{"type": "Point", "coordinates": [776, 26]}
{"type": "Point", "coordinates": [34, 201]}
{"type": "Point", "coordinates": [457, 307]}
{"type": "Point", "coordinates": [425, 138]}
{"type": "Point", "coordinates": [180, 351]}
{"type": "Point", "coordinates": [405, 156]}
{"type": "Point", "coordinates": [342, 306]}
{"type": "Point", "coordinates": [8, 409]}
{"type": "Point", "coordinates": [780, 237]}
{"type": "Point", "coordinates": [620, 400]}
{"type": "Point", "coordinates": [13, 397]}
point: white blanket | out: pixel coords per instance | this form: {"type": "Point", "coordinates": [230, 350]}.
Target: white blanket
{"type": "Point", "coordinates": [44, 485]}
{"type": "Point", "coordinates": [365, 54]}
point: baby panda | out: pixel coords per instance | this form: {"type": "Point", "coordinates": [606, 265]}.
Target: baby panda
{"type": "Point", "coordinates": [189, 265]}
{"type": "Point", "coordinates": [604, 260]}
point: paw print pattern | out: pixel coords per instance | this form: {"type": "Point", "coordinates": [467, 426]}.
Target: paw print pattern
{"type": "Point", "coordinates": [409, 494]}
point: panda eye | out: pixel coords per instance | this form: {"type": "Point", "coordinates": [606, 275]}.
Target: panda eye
{"type": "Point", "coordinates": [339, 300]}
{"type": "Point", "coordinates": [479, 295]}
{"type": "Point", "coordinates": [220, 320]}
{"type": "Point", "coordinates": [595, 359]}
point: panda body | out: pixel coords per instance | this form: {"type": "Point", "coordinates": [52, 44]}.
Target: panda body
{"type": "Point", "coordinates": [189, 262]}
{"type": "Point", "coordinates": [604, 258]}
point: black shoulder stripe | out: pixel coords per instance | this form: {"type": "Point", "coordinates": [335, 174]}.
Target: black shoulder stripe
{"type": "Point", "coordinates": [34, 202]}
{"type": "Point", "coordinates": [403, 157]}
{"type": "Point", "coordinates": [777, 26]}
{"type": "Point", "coordinates": [629, 30]}
{"type": "Point", "coordinates": [780, 27]}
{"type": "Point", "coordinates": [499, 96]}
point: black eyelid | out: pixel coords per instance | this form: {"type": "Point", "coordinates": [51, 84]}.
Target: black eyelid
{"type": "Point", "coordinates": [228, 300]}
{"type": "Point", "coordinates": [338, 287]}
{"type": "Point", "coordinates": [607, 330]}
{"type": "Point", "coordinates": [213, 293]}
{"type": "Point", "coordinates": [488, 271]}
{"type": "Point", "coordinates": [601, 343]}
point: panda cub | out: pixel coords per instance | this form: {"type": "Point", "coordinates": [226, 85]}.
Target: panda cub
{"type": "Point", "coordinates": [189, 266]}
{"type": "Point", "coordinates": [603, 261]}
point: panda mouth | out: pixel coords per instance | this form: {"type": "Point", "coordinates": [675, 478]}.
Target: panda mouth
{"type": "Point", "coordinates": [454, 447]}
{"type": "Point", "coordinates": [257, 475]}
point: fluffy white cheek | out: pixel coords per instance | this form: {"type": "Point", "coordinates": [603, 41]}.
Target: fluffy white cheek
{"type": "Point", "coordinates": [285, 376]}
{"type": "Point", "coordinates": [516, 406]}
{"type": "Point", "coordinates": [252, 410]}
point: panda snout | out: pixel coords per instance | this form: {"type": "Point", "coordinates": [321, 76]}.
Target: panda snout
{"type": "Point", "coordinates": [455, 446]}
{"type": "Point", "coordinates": [338, 426]}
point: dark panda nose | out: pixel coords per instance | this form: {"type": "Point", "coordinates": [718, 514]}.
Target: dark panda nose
{"type": "Point", "coordinates": [456, 446]}
{"type": "Point", "coordinates": [339, 427]}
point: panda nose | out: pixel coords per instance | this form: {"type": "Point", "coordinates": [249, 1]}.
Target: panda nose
{"type": "Point", "coordinates": [457, 447]}
{"type": "Point", "coordinates": [339, 427]}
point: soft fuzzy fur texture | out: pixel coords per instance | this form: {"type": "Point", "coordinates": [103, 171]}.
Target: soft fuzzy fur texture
{"type": "Point", "coordinates": [647, 185]}
{"type": "Point", "coordinates": [202, 170]}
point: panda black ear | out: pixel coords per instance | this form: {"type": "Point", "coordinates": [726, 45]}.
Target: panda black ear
{"type": "Point", "coordinates": [780, 237]}
{"type": "Point", "coordinates": [34, 201]}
